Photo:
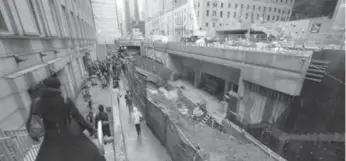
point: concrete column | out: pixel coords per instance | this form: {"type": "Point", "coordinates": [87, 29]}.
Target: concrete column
{"type": "Point", "coordinates": [197, 81]}
{"type": "Point", "coordinates": [241, 105]}
{"type": "Point", "coordinates": [226, 89]}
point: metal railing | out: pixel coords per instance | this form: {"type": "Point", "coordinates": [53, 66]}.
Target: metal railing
{"type": "Point", "coordinates": [290, 47]}
{"type": "Point", "coordinates": [16, 145]}
{"type": "Point", "coordinates": [278, 50]}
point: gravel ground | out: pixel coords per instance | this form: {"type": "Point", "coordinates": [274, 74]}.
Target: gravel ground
{"type": "Point", "coordinates": [214, 145]}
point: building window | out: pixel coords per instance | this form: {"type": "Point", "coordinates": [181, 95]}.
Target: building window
{"type": "Point", "coordinates": [246, 16]}
{"type": "Point", "coordinates": [257, 17]}
{"type": "Point", "coordinates": [213, 24]}
{"type": "Point", "coordinates": [264, 8]}
{"type": "Point", "coordinates": [259, 8]}
{"type": "Point", "coordinates": [270, 9]}
{"type": "Point", "coordinates": [268, 18]}
{"type": "Point", "coordinates": [221, 5]}
{"type": "Point", "coordinates": [26, 17]}
{"type": "Point", "coordinates": [274, 9]}
{"type": "Point", "coordinates": [208, 4]}
{"type": "Point", "coordinates": [55, 16]}
{"type": "Point", "coordinates": [236, 6]}
{"type": "Point", "coordinates": [197, 13]}
{"type": "Point", "coordinates": [207, 13]}
{"type": "Point", "coordinates": [221, 14]}
{"type": "Point", "coordinates": [198, 4]}
{"type": "Point", "coordinates": [67, 19]}
{"type": "Point", "coordinates": [248, 7]}
{"type": "Point", "coordinates": [5, 20]}
{"type": "Point", "coordinates": [220, 24]}
{"type": "Point", "coordinates": [214, 13]}
{"type": "Point", "coordinates": [273, 18]}
{"type": "Point", "coordinates": [241, 6]}
{"type": "Point", "coordinates": [251, 16]}
{"type": "Point", "coordinates": [279, 10]}
{"type": "Point", "coordinates": [73, 25]}
{"type": "Point", "coordinates": [277, 18]}
{"type": "Point", "coordinates": [206, 24]}
{"type": "Point", "coordinates": [49, 18]}
{"type": "Point", "coordinates": [228, 14]}
{"type": "Point", "coordinates": [214, 4]}
{"type": "Point", "coordinates": [3, 26]}
{"type": "Point", "coordinates": [229, 5]}
{"type": "Point", "coordinates": [282, 1]}
{"type": "Point", "coordinates": [253, 7]}
{"type": "Point", "coordinates": [234, 14]}
{"type": "Point", "coordinates": [288, 12]}
{"type": "Point", "coordinates": [36, 11]}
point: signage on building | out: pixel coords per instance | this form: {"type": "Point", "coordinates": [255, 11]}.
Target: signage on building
{"type": "Point", "coordinates": [315, 28]}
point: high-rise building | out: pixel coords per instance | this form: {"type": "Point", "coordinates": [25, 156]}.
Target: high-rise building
{"type": "Point", "coordinates": [40, 39]}
{"type": "Point", "coordinates": [136, 10]}
{"type": "Point", "coordinates": [106, 20]}
{"type": "Point", "coordinates": [212, 15]}
{"type": "Point", "coordinates": [153, 8]}
{"type": "Point", "coordinates": [339, 16]}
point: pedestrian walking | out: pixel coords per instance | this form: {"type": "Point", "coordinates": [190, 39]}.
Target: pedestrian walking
{"type": "Point", "coordinates": [90, 119]}
{"type": "Point", "coordinates": [61, 142]}
{"type": "Point", "coordinates": [103, 116]}
{"type": "Point", "coordinates": [137, 119]}
{"type": "Point", "coordinates": [128, 98]}
{"type": "Point", "coordinates": [86, 93]}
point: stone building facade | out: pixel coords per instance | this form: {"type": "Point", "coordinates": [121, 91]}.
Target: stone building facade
{"type": "Point", "coordinates": [39, 39]}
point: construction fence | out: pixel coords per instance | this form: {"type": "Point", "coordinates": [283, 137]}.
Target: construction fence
{"type": "Point", "coordinates": [163, 128]}
{"type": "Point", "coordinates": [170, 136]}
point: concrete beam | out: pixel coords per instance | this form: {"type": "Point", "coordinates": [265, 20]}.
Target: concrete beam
{"type": "Point", "coordinates": [281, 72]}
{"type": "Point", "coordinates": [129, 42]}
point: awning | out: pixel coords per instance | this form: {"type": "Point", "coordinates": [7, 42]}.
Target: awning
{"type": "Point", "coordinates": [24, 71]}
{"type": "Point", "coordinates": [25, 78]}
{"type": "Point", "coordinates": [53, 62]}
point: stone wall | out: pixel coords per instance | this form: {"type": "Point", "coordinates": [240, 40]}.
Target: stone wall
{"type": "Point", "coordinates": [25, 62]}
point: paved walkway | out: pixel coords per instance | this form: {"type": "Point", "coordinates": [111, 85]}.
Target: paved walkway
{"type": "Point", "coordinates": [145, 147]}
{"type": "Point", "coordinates": [99, 96]}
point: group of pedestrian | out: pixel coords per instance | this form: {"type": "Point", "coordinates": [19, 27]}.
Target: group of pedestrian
{"type": "Point", "coordinates": [59, 122]}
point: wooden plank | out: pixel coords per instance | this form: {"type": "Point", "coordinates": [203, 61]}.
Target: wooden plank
{"type": "Point", "coordinates": [313, 79]}
{"type": "Point", "coordinates": [316, 70]}
{"type": "Point", "coordinates": [320, 61]}
{"type": "Point", "coordinates": [315, 75]}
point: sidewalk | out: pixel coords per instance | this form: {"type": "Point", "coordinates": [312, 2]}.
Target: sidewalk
{"type": "Point", "coordinates": [99, 96]}
{"type": "Point", "coordinates": [146, 147]}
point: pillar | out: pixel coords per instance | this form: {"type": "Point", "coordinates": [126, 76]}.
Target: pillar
{"type": "Point", "coordinates": [226, 89]}
{"type": "Point", "coordinates": [197, 80]}
{"type": "Point", "coordinates": [240, 104]}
